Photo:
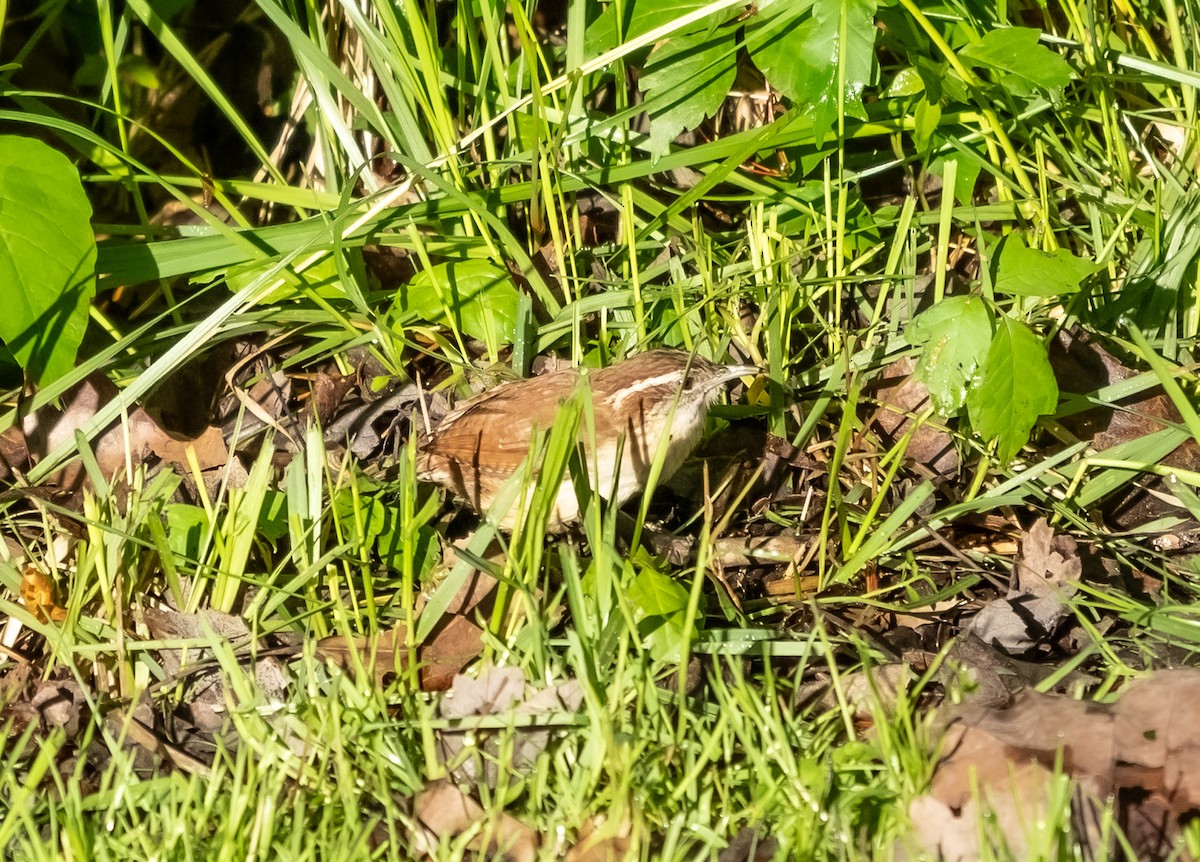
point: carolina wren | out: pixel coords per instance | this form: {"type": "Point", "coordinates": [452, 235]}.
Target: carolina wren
{"type": "Point", "coordinates": [479, 445]}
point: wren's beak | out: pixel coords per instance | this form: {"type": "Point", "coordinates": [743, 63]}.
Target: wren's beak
{"type": "Point", "coordinates": [737, 372]}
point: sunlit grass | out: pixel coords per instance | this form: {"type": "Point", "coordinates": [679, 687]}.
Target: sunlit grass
{"type": "Point", "coordinates": [470, 137]}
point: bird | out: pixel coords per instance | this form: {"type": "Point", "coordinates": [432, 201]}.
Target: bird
{"type": "Point", "coordinates": [478, 446]}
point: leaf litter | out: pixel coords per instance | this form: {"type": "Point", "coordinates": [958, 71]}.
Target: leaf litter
{"type": "Point", "coordinates": [1140, 753]}
{"type": "Point", "coordinates": [1044, 578]}
{"type": "Point", "coordinates": [994, 644]}
{"type": "Point", "coordinates": [472, 753]}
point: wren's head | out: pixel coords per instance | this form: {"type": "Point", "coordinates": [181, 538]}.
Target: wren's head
{"type": "Point", "coordinates": [664, 385]}
{"type": "Point", "coordinates": [647, 396]}
{"type": "Point", "coordinates": [635, 405]}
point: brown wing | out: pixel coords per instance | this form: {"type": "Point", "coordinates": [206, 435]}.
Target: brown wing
{"type": "Point", "coordinates": [491, 433]}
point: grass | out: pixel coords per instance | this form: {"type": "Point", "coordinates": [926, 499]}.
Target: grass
{"type": "Point", "coordinates": [506, 139]}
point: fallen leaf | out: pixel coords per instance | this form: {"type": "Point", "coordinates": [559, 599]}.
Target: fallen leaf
{"type": "Point", "coordinates": [447, 813]}
{"type": "Point", "coordinates": [132, 441]}
{"type": "Point", "coordinates": [59, 704]}
{"type": "Point", "coordinates": [327, 391]}
{"type": "Point", "coordinates": [474, 753]}
{"type": "Point", "coordinates": [37, 594]}
{"type": "Point", "coordinates": [1082, 365]}
{"type": "Point", "coordinates": [952, 834]}
{"type": "Point", "coordinates": [862, 692]}
{"type": "Point", "coordinates": [454, 643]}
{"type": "Point", "coordinates": [208, 691]}
{"type": "Point", "coordinates": [902, 397]}
{"type": "Point", "coordinates": [1141, 754]}
{"type": "Point", "coordinates": [496, 690]}
{"type": "Point", "coordinates": [478, 588]}
{"type": "Point", "coordinates": [601, 840]}
{"type": "Point", "coordinates": [1045, 576]}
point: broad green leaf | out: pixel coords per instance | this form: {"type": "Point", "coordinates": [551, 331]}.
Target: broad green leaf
{"type": "Point", "coordinates": [1016, 50]}
{"type": "Point", "coordinates": [907, 82]}
{"type": "Point", "coordinates": [927, 116]}
{"type": "Point", "coordinates": [966, 176]}
{"type": "Point", "coordinates": [639, 16]}
{"type": "Point", "coordinates": [185, 529]}
{"type": "Point", "coordinates": [139, 71]}
{"type": "Point", "coordinates": [424, 551]}
{"type": "Point", "coordinates": [661, 604]}
{"type": "Point", "coordinates": [272, 518]}
{"type": "Point", "coordinates": [1015, 387]}
{"type": "Point", "coordinates": [1025, 271]}
{"type": "Point", "coordinates": [686, 79]}
{"type": "Point", "coordinates": [475, 297]}
{"type": "Point", "coordinates": [363, 518]}
{"type": "Point", "coordinates": [954, 334]}
{"type": "Point", "coordinates": [826, 59]}
{"type": "Point", "coordinates": [47, 257]}
{"type": "Point", "coordinates": [321, 279]}
{"type": "Point", "coordinates": [940, 84]}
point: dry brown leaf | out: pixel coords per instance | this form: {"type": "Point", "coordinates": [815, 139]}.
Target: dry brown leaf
{"type": "Point", "coordinates": [1044, 577]}
{"type": "Point", "coordinates": [862, 692]}
{"type": "Point", "coordinates": [60, 704]}
{"type": "Point", "coordinates": [479, 587]}
{"type": "Point", "coordinates": [901, 396]}
{"type": "Point", "coordinates": [1082, 365]}
{"type": "Point", "coordinates": [1142, 751]}
{"type": "Point", "coordinates": [473, 753]}
{"type": "Point", "coordinates": [1157, 731]}
{"type": "Point", "coordinates": [448, 813]}
{"type": "Point", "coordinates": [454, 643]}
{"type": "Point", "coordinates": [14, 455]}
{"type": "Point", "coordinates": [210, 449]}
{"type": "Point", "coordinates": [327, 393]}
{"type": "Point", "coordinates": [208, 690]}
{"type": "Point", "coordinates": [1000, 762]}
{"type": "Point", "coordinates": [37, 594]}
{"type": "Point", "coordinates": [129, 442]}
{"type": "Point", "coordinates": [602, 841]}
{"type": "Point", "coordinates": [496, 690]}
{"type": "Point", "coordinates": [952, 834]}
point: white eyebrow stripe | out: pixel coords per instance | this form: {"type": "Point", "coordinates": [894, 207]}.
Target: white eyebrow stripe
{"type": "Point", "coordinates": [671, 377]}
{"type": "Point", "coordinates": [660, 380]}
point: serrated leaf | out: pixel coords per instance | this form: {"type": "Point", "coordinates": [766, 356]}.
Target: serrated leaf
{"type": "Point", "coordinates": [475, 297]}
{"type": "Point", "coordinates": [819, 61]}
{"type": "Point", "coordinates": [686, 79]}
{"type": "Point", "coordinates": [1016, 50]}
{"type": "Point", "coordinates": [955, 335]}
{"type": "Point", "coordinates": [47, 257]}
{"type": "Point", "coordinates": [1025, 271]}
{"type": "Point", "coordinates": [1016, 385]}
